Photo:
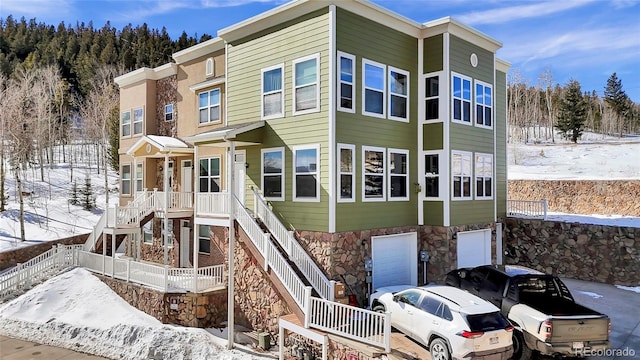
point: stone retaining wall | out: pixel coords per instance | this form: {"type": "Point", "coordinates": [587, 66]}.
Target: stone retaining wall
{"type": "Point", "coordinates": [187, 309]}
{"type": "Point", "coordinates": [23, 254]}
{"type": "Point", "coordinates": [605, 197]}
{"type": "Point", "coordinates": [599, 253]}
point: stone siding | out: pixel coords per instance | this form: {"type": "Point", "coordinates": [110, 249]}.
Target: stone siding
{"type": "Point", "coordinates": [166, 93]}
{"type": "Point", "coordinates": [21, 255]}
{"type": "Point", "coordinates": [605, 197]}
{"type": "Point", "coordinates": [186, 309]}
{"type": "Point", "coordinates": [599, 253]}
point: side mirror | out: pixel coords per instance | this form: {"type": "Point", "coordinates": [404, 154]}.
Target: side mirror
{"type": "Point", "coordinates": [395, 298]}
{"type": "Point", "coordinates": [462, 274]}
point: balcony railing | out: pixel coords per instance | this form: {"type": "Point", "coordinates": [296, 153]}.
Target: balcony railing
{"type": "Point", "coordinates": [212, 204]}
{"type": "Point", "coordinates": [535, 209]}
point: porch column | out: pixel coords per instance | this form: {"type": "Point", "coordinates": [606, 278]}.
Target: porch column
{"type": "Point", "coordinates": [196, 227]}
{"type": "Point", "coordinates": [232, 205]}
{"type": "Point", "coordinates": [165, 233]}
{"type": "Point", "coordinates": [113, 255]}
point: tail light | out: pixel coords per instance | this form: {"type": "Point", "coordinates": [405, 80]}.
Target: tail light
{"type": "Point", "coordinates": [509, 328]}
{"type": "Point", "coordinates": [547, 329]}
{"type": "Point", "coordinates": [470, 334]}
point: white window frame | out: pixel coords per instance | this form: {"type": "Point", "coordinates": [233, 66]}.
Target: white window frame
{"type": "Point", "coordinates": [351, 173]}
{"type": "Point", "coordinates": [209, 67]}
{"type": "Point", "coordinates": [170, 235]}
{"type": "Point", "coordinates": [480, 160]}
{"type": "Point", "coordinates": [438, 98]}
{"type": "Point", "coordinates": [484, 106]}
{"type": "Point", "coordinates": [340, 81]}
{"type": "Point", "coordinates": [202, 237]}
{"type": "Point", "coordinates": [282, 173]}
{"type": "Point", "coordinates": [263, 94]}
{"type": "Point", "coordinates": [147, 229]}
{"type": "Point", "coordinates": [315, 173]}
{"type": "Point", "coordinates": [439, 175]}
{"type": "Point", "coordinates": [122, 179]}
{"type": "Point", "coordinates": [459, 172]}
{"type": "Point", "coordinates": [139, 177]}
{"type": "Point", "coordinates": [209, 176]}
{"type": "Point", "coordinates": [137, 120]}
{"type": "Point", "coordinates": [168, 115]}
{"type": "Point", "coordinates": [128, 124]}
{"type": "Point", "coordinates": [462, 100]}
{"type": "Point", "coordinates": [316, 83]}
{"type": "Point", "coordinates": [390, 94]}
{"type": "Point", "coordinates": [366, 62]}
{"type": "Point", "coordinates": [383, 175]}
{"type": "Point", "coordinates": [210, 106]}
{"type": "Point", "coordinates": [405, 175]}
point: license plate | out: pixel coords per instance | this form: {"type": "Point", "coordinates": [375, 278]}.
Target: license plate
{"type": "Point", "coordinates": [493, 340]}
{"type": "Point", "coordinates": [578, 345]}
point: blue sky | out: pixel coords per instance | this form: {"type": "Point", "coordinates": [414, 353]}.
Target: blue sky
{"type": "Point", "coordinates": [586, 40]}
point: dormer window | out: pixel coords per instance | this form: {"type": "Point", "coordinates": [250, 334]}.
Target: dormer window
{"type": "Point", "coordinates": [209, 67]}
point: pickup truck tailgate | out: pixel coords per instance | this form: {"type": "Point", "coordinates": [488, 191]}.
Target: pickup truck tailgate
{"type": "Point", "coordinates": [583, 329]}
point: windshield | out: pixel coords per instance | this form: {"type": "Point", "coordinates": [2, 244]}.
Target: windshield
{"type": "Point", "coordinates": [487, 322]}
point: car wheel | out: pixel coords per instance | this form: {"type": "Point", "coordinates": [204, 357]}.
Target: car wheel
{"type": "Point", "coordinates": [439, 350]}
{"type": "Point", "coordinates": [520, 349]}
{"type": "Point", "coordinates": [379, 309]}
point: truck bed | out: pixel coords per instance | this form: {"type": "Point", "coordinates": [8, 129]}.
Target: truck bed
{"type": "Point", "coordinates": [556, 306]}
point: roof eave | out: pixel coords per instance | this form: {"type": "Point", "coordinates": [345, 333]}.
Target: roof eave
{"type": "Point", "coordinates": [146, 73]}
{"type": "Point", "coordinates": [454, 27]}
{"type": "Point", "coordinates": [199, 50]}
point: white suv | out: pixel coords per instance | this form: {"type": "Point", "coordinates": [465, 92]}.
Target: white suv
{"type": "Point", "coordinates": [451, 322]}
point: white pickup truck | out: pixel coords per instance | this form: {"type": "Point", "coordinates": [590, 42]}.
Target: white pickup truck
{"type": "Point", "coordinates": [540, 306]}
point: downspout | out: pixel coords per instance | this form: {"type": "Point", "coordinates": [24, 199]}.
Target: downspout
{"type": "Point", "coordinates": [165, 233]}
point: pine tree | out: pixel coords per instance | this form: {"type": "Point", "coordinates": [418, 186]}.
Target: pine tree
{"type": "Point", "coordinates": [573, 113]}
{"type": "Point", "coordinates": [88, 200]}
{"type": "Point", "coordinates": [618, 101]}
{"type": "Point", "coordinates": [73, 197]}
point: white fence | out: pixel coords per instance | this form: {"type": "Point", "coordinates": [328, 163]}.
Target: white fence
{"type": "Point", "coordinates": [159, 277]}
{"type": "Point", "coordinates": [212, 204]}
{"type": "Point", "coordinates": [296, 253]}
{"type": "Point", "coordinates": [527, 208]}
{"type": "Point", "coordinates": [353, 323]}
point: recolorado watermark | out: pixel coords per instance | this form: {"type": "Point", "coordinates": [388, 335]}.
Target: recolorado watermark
{"type": "Point", "coordinates": [587, 351]}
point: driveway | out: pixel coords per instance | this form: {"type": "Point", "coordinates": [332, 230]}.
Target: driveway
{"type": "Point", "coordinates": [622, 307]}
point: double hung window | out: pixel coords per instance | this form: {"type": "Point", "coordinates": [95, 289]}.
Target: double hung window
{"type": "Point", "coordinates": [168, 112]}
{"type": "Point", "coordinates": [125, 120]}
{"type": "Point", "coordinates": [125, 180]}
{"type": "Point", "coordinates": [432, 175]}
{"type": "Point", "coordinates": [209, 106]}
{"type": "Point", "coordinates": [209, 174]}
{"type": "Point", "coordinates": [373, 174]}
{"type": "Point", "coordinates": [461, 175]}
{"type": "Point", "coordinates": [432, 98]}
{"type": "Point", "coordinates": [306, 173]}
{"type": "Point", "coordinates": [204, 239]}
{"type": "Point", "coordinates": [346, 176]}
{"type": "Point", "coordinates": [306, 97]}
{"type": "Point", "coordinates": [138, 117]}
{"type": "Point", "coordinates": [398, 174]}
{"type": "Point", "coordinates": [484, 176]}
{"type": "Point", "coordinates": [346, 82]}
{"type": "Point", "coordinates": [273, 174]}
{"type": "Point", "coordinates": [398, 94]}
{"type": "Point", "coordinates": [374, 89]}
{"type": "Point", "coordinates": [147, 232]}
{"type": "Point", "coordinates": [461, 99]}
{"type": "Point", "coordinates": [483, 104]}
{"type": "Point", "coordinates": [139, 177]}
{"type": "Point", "coordinates": [272, 92]}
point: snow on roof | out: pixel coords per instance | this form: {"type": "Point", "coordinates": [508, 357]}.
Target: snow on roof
{"type": "Point", "coordinates": [167, 141]}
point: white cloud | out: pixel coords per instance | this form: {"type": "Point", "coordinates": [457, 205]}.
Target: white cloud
{"type": "Point", "coordinates": [36, 8]}
{"type": "Point", "coordinates": [513, 13]}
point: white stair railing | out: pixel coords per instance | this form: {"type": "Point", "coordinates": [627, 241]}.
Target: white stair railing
{"type": "Point", "coordinates": [536, 209]}
{"type": "Point", "coordinates": [299, 256]}
{"type": "Point", "coordinates": [272, 257]}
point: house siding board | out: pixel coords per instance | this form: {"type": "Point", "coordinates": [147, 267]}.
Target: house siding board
{"type": "Point", "coordinates": [460, 53]}
{"type": "Point", "coordinates": [433, 213]}
{"type": "Point", "coordinates": [307, 35]}
{"type": "Point", "coordinates": [433, 47]}
{"type": "Point", "coordinates": [363, 38]}
{"type": "Point", "coordinates": [471, 212]}
{"type": "Point", "coordinates": [433, 136]}
{"type": "Point", "coordinates": [501, 143]}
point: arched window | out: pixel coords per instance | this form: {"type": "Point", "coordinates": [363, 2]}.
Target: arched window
{"type": "Point", "coordinates": [209, 67]}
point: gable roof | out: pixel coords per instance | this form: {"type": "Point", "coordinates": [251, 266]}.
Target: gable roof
{"type": "Point", "coordinates": [159, 145]}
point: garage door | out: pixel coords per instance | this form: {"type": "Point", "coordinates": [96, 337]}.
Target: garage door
{"type": "Point", "coordinates": [395, 260]}
{"type": "Point", "coordinates": [474, 248]}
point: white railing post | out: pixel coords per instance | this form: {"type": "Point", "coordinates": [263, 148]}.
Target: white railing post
{"type": "Point", "coordinates": [166, 278]}
{"type": "Point", "coordinates": [265, 254]}
{"type": "Point", "coordinates": [332, 290]}
{"type": "Point", "coordinates": [544, 209]}
{"type": "Point", "coordinates": [306, 308]}
{"type": "Point", "coordinates": [195, 280]}
{"type": "Point", "coordinates": [128, 269]}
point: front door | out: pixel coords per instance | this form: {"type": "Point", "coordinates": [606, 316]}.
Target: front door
{"type": "Point", "coordinates": [239, 175]}
{"type": "Point", "coordinates": [186, 177]}
{"type": "Point", "coordinates": [185, 234]}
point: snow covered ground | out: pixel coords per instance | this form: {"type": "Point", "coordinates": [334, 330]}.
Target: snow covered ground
{"type": "Point", "coordinates": [77, 311]}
